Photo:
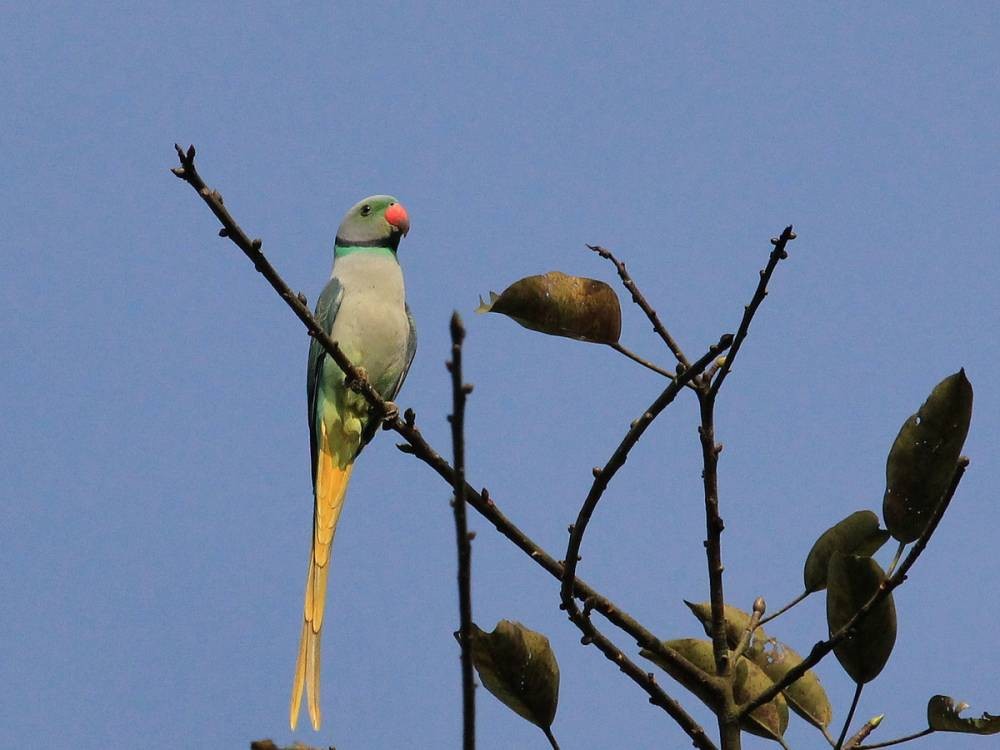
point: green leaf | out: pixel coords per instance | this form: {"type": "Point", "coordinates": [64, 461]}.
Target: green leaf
{"type": "Point", "coordinates": [924, 456]}
{"type": "Point", "coordinates": [806, 695]}
{"type": "Point", "coordinates": [518, 666]}
{"type": "Point", "coordinates": [736, 621]}
{"type": "Point", "coordinates": [943, 716]}
{"type": "Point", "coordinates": [768, 721]}
{"type": "Point", "coordinates": [851, 582]}
{"type": "Point", "coordinates": [858, 534]}
{"type": "Point", "coordinates": [561, 305]}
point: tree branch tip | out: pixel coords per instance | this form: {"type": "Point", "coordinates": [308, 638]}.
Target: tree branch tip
{"type": "Point", "coordinates": [457, 329]}
{"type": "Point", "coordinates": [178, 172]}
{"type": "Point", "coordinates": [596, 471]}
{"type": "Point", "coordinates": [759, 605]}
{"type": "Point", "coordinates": [409, 417]}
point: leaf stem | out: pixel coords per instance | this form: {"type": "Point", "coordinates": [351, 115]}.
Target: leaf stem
{"type": "Point", "coordinates": [644, 362]}
{"type": "Point", "coordinates": [787, 607]}
{"type": "Point", "coordinates": [898, 740]}
{"type": "Point", "coordinates": [550, 737]}
{"type": "Point", "coordinates": [850, 716]}
{"type": "Point", "coordinates": [895, 558]}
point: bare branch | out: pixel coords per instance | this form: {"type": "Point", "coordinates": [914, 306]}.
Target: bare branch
{"type": "Point", "coordinates": [714, 526]}
{"type": "Point", "coordinates": [459, 391]}
{"type": "Point", "coordinates": [642, 303]}
{"type": "Point", "coordinates": [777, 255]}
{"type": "Point", "coordinates": [581, 618]}
{"type": "Point", "coordinates": [821, 649]}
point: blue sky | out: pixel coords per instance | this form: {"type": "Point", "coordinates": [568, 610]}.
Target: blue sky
{"type": "Point", "coordinates": [155, 508]}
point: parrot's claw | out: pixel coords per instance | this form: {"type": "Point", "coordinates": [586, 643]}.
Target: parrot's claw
{"type": "Point", "coordinates": [390, 415]}
{"type": "Point", "coordinates": [355, 384]}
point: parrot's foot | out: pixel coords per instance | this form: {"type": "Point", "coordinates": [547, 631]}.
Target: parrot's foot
{"type": "Point", "coordinates": [355, 384]}
{"type": "Point", "coordinates": [391, 414]}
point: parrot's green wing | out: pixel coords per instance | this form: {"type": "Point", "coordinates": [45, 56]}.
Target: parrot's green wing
{"type": "Point", "coordinates": [326, 310]}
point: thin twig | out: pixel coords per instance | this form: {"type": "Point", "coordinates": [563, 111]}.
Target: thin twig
{"type": "Point", "coordinates": [728, 717]}
{"type": "Point", "coordinates": [758, 611]}
{"type": "Point", "coordinates": [866, 729]}
{"type": "Point", "coordinates": [642, 303]}
{"type": "Point", "coordinates": [602, 476]}
{"type": "Point", "coordinates": [415, 442]}
{"type": "Point", "coordinates": [850, 716]}
{"type": "Point", "coordinates": [550, 737]}
{"type": "Point", "coordinates": [898, 740]}
{"type": "Point", "coordinates": [777, 255]}
{"type": "Point", "coordinates": [821, 649]}
{"type": "Point", "coordinates": [459, 392]}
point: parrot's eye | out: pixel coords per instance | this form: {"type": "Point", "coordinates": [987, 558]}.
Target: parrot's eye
{"type": "Point", "coordinates": [366, 210]}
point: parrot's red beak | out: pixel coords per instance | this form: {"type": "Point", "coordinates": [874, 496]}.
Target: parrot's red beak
{"type": "Point", "coordinates": [396, 215]}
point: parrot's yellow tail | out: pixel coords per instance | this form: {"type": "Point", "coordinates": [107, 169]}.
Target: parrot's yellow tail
{"type": "Point", "coordinates": [331, 485]}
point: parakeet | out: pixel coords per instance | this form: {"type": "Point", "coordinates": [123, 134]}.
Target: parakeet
{"type": "Point", "coordinates": [363, 308]}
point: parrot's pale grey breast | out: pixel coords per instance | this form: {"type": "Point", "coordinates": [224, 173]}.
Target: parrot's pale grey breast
{"type": "Point", "coordinates": [371, 326]}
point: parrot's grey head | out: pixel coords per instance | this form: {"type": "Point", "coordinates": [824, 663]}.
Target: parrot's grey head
{"type": "Point", "coordinates": [376, 221]}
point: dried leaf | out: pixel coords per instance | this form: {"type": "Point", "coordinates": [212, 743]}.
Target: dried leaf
{"type": "Point", "coordinates": [858, 534]}
{"type": "Point", "coordinates": [518, 666]}
{"type": "Point", "coordinates": [561, 305]}
{"type": "Point", "coordinates": [924, 456]}
{"type": "Point", "coordinates": [806, 695]}
{"type": "Point", "coordinates": [768, 721]}
{"type": "Point", "coordinates": [943, 716]}
{"type": "Point", "coordinates": [851, 582]}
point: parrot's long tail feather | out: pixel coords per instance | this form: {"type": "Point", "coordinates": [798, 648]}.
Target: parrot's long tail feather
{"type": "Point", "coordinates": [331, 485]}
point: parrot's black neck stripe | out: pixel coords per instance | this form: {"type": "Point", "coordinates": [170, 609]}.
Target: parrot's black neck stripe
{"type": "Point", "coordinates": [391, 242]}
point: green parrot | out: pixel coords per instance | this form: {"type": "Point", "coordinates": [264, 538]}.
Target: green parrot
{"type": "Point", "coordinates": [363, 308]}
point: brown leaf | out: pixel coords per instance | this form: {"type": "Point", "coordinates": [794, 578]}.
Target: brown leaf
{"type": "Point", "coordinates": [561, 305]}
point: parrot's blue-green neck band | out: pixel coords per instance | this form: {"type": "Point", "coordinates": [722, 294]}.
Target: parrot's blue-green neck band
{"type": "Point", "coordinates": [339, 251]}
